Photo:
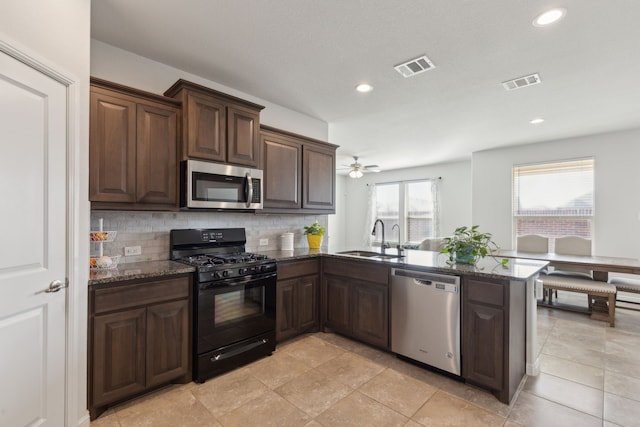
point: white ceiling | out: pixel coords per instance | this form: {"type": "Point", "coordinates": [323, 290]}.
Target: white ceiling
{"type": "Point", "coordinates": [308, 55]}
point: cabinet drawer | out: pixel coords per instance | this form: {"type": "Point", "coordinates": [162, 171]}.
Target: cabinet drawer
{"type": "Point", "coordinates": [126, 296]}
{"type": "Point", "coordinates": [297, 268]}
{"type": "Point", "coordinates": [362, 270]}
{"type": "Point", "coordinates": [484, 292]}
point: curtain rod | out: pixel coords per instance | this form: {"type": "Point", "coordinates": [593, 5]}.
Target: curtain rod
{"type": "Point", "coordinates": [438, 178]}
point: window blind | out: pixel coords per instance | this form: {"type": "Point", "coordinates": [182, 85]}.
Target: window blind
{"type": "Point", "coordinates": [554, 199]}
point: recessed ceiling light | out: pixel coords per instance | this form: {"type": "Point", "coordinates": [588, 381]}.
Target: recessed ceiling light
{"type": "Point", "coordinates": [549, 17]}
{"type": "Point", "coordinates": [364, 87]}
{"type": "Point", "coordinates": [536, 121]}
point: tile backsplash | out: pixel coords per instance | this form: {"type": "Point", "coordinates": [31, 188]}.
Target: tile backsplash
{"type": "Point", "coordinates": [150, 230]}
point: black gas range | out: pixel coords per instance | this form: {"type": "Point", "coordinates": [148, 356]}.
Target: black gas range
{"type": "Point", "coordinates": [211, 267]}
{"type": "Point", "coordinates": [234, 299]}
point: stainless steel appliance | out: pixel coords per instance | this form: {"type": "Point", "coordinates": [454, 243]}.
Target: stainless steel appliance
{"type": "Point", "coordinates": [425, 318]}
{"type": "Point", "coordinates": [209, 185]}
{"type": "Point", "coordinates": [234, 307]}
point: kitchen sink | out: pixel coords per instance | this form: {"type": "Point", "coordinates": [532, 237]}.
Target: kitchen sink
{"type": "Point", "coordinates": [370, 254]}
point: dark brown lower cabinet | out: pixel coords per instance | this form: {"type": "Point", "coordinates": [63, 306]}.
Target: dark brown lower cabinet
{"type": "Point", "coordinates": [356, 300]}
{"type": "Point", "coordinates": [484, 330]}
{"type": "Point", "coordinates": [493, 334]}
{"type": "Point", "coordinates": [296, 298]}
{"type": "Point", "coordinates": [118, 355]}
{"type": "Point", "coordinates": [167, 342]}
{"type": "Point", "coordinates": [139, 338]}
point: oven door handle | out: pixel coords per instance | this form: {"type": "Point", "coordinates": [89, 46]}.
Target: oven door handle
{"type": "Point", "coordinates": [225, 355]}
{"type": "Point", "coordinates": [228, 283]}
{"type": "Point", "coordinates": [249, 188]}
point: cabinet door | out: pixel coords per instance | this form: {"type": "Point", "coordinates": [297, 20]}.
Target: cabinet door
{"type": "Point", "coordinates": [371, 313]}
{"type": "Point", "coordinates": [243, 142]}
{"type": "Point", "coordinates": [307, 288]}
{"type": "Point", "coordinates": [168, 349]}
{"type": "Point", "coordinates": [286, 323]}
{"type": "Point", "coordinates": [483, 344]}
{"type": "Point", "coordinates": [319, 179]}
{"type": "Point", "coordinates": [157, 151]}
{"type": "Point", "coordinates": [337, 307]}
{"type": "Point", "coordinates": [118, 366]}
{"type": "Point", "coordinates": [206, 128]}
{"type": "Point", "coordinates": [281, 163]}
{"type": "Point", "coordinates": [112, 149]}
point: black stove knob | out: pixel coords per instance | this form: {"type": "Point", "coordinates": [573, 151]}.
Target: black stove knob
{"type": "Point", "coordinates": [216, 274]}
{"type": "Point", "coordinates": [225, 273]}
{"type": "Point", "coordinates": [242, 271]}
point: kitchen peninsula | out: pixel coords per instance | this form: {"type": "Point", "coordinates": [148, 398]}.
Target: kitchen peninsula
{"type": "Point", "coordinates": [498, 306]}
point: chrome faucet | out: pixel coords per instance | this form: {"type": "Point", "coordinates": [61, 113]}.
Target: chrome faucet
{"type": "Point", "coordinates": [383, 245]}
{"type": "Point", "coordinates": [399, 246]}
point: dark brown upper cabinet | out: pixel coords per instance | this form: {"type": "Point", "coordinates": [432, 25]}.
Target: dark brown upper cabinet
{"type": "Point", "coordinates": [299, 173]}
{"type": "Point", "coordinates": [216, 126]}
{"type": "Point", "coordinates": [133, 148]}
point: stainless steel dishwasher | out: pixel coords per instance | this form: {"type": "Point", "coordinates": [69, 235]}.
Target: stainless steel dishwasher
{"type": "Point", "coordinates": [425, 318]}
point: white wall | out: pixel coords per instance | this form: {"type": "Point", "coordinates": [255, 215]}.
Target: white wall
{"type": "Point", "coordinates": [617, 179]}
{"type": "Point", "coordinates": [120, 66]}
{"type": "Point", "coordinates": [337, 229]}
{"type": "Point", "coordinates": [57, 33]}
{"type": "Point", "coordinates": [455, 197]}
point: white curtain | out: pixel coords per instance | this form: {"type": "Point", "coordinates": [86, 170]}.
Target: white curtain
{"type": "Point", "coordinates": [435, 191]}
{"type": "Point", "coordinates": [370, 216]}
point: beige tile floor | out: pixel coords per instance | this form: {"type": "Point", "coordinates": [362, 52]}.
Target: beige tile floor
{"type": "Point", "coordinates": [590, 377]}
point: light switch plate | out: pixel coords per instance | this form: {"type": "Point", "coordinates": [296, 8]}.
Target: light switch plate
{"type": "Point", "coordinates": [264, 242]}
{"type": "Point", "coordinates": [132, 250]}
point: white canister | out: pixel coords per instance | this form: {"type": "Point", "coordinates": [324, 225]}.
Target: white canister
{"type": "Point", "coordinates": [286, 242]}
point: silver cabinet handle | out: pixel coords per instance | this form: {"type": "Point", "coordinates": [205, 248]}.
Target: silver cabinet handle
{"type": "Point", "coordinates": [54, 286]}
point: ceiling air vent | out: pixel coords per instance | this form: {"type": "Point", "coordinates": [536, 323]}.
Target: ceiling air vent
{"type": "Point", "coordinates": [521, 82]}
{"type": "Point", "coordinates": [414, 66]}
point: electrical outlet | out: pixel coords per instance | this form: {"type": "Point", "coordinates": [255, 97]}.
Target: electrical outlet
{"type": "Point", "coordinates": [132, 250]}
{"type": "Point", "coordinates": [264, 242]}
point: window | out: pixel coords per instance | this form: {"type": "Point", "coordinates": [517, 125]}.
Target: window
{"type": "Point", "coordinates": [554, 199]}
{"type": "Point", "coordinates": [411, 205]}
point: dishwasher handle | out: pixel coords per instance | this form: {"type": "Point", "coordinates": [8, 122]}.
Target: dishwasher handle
{"type": "Point", "coordinates": [424, 276]}
{"type": "Point", "coordinates": [423, 282]}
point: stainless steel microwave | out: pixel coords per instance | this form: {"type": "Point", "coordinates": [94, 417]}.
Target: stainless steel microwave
{"type": "Point", "coordinates": [209, 185]}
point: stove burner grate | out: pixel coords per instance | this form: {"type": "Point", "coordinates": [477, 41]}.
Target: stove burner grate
{"type": "Point", "coordinates": [210, 260]}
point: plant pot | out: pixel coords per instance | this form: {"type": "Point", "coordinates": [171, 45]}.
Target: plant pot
{"type": "Point", "coordinates": [465, 257]}
{"type": "Point", "coordinates": [314, 240]}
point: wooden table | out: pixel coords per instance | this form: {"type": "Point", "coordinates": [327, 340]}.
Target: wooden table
{"type": "Point", "coordinates": [600, 265]}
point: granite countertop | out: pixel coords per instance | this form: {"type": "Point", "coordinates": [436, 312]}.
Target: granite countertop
{"type": "Point", "coordinates": [516, 268]}
{"type": "Point", "coordinates": [139, 270]}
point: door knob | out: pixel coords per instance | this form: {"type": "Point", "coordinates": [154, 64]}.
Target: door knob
{"type": "Point", "coordinates": [54, 286]}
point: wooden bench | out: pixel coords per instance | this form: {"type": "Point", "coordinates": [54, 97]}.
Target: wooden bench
{"type": "Point", "coordinates": [624, 284]}
{"type": "Point", "coordinates": [601, 295]}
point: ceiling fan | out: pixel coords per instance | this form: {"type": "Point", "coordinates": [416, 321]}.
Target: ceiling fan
{"type": "Point", "coordinates": [357, 169]}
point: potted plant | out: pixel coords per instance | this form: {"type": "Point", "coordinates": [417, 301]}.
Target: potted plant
{"type": "Point", "coordinates": [468, 245]}
{"type": "Point", "coordinates": [314, 233]}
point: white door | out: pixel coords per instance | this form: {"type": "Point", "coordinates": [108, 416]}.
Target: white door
{"type": "Point", "coordinates": [33, 134]}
